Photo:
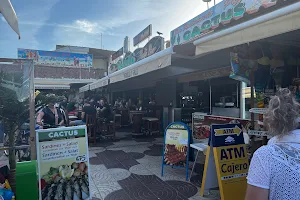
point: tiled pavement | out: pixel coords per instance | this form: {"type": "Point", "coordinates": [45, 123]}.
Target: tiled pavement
{"type": "Point", "coordinates": [130, 169]}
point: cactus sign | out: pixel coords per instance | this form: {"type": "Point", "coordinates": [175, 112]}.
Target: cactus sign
{"type": "Point", "coordinates": [63, 163]}
{"type": "Point", "coordinates": [224, 13]}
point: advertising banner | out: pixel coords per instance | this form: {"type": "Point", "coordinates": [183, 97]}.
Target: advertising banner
{"type": "Point", "coordinates": [226, 164]}
{"type": "Point", "coordinates": [63, 162]}
{"type": "Point", "coordinates": [147, 32]}
{"type": "Point", "coordinates": [55, 58]}
{"type": "Point", "coordinates": [176, 146]}
{"type": "Point", "coordinates": [202, 124]}
{"type": "Point", "coordinates": [221, 16]}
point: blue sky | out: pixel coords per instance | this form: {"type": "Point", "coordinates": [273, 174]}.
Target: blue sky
{"type": "Point", "coordinates": [45, 23]}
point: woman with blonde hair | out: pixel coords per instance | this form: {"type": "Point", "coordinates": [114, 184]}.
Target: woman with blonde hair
{"type": "Point", "coordinates": [274, 172]}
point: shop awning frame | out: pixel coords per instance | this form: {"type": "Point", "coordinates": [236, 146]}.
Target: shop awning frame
{"type": "Point", "coordinates": [100, 83]}
{"type": "Point", "coordinates": [277, 22]}
{"type": "Point", "coordinates": [84, 88]}
{"type": "Point", "coordinates": [154, 62]}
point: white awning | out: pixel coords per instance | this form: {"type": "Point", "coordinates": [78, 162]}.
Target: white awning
{"type": "Point", "coordinates": [8, 12]}
{"type": "Point", "coordinates": [277, 22]}
{"type": "Point", "coordinates": [84, 88]}
{"type": "Point", "coordinates": [156, 61]}
{"type": "Point", "coordinates": [100, 83]}
{"type": "Point", "coordinates": [52, 87]}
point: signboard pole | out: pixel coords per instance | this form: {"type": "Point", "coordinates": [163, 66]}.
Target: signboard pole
{"type": "Point", "coordinates": [176, 147]}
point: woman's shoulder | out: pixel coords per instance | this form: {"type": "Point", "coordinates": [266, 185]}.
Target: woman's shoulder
{"type": "Point", "coordinates": [264, 151]}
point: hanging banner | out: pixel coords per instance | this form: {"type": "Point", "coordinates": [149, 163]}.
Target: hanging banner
{"type": "Point", "coordinates": [63, 163]}
{"type": "Point", "coordinates": [226, 165]}
{"type": "Point", "coordinates": [239, 71]}
{"type": "Point", "coordinates": [223, 15]}
{"type": "Point", "coordinates": [176, 146]}
{"type": "Point", "coordinates": [55, 58]}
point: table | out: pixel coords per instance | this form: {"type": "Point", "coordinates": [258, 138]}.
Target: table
{"type": "Point", "coordinates": [151, 125]}
{"type": "Point", "coordinates": [137, 120]}
{"type": "Point", "coordinates": [200, 145]}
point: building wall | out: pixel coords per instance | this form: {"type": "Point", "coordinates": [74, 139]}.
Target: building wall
{"type": "Point", "coordinates": [100, 64]}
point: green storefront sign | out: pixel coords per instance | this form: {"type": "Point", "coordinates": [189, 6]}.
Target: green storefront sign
{"type": "Point", "coordinates": [220, 16]}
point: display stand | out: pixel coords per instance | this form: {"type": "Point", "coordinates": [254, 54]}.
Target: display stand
{"type": "Point", "coordinates": [226, 163]}
{"type": "Point", "coordinates": [176, 147]}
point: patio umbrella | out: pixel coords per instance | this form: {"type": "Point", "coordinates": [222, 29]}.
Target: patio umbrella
{"type": "Point", "coordinates": [9, 14]}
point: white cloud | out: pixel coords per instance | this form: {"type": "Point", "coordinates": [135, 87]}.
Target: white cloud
{"type": "Point", "coordinates": [86, 26]}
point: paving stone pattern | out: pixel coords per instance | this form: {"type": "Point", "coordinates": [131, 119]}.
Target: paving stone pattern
{"type": "Point", "coordinates": [131, 170]}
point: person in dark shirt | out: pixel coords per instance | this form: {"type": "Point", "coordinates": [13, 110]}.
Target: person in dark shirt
{"type": "Point", "coordinates": [87, 110]}
{"type": "Point", "coordinates": [50, 117]}
{"type": "Point", "coordinates": [104, 110]}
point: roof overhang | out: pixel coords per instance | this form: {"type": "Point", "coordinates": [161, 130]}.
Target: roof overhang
{"type": "Point", "coordinates": [157, 61]}
{"type": "Point", "coordinates": [52, 87]}
{"type": "Point", "coordinates": [47, 83]}
{"type": "Point", "coordinates": [277, 22]}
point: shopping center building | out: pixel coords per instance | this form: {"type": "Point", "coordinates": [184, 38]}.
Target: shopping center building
{"type": "Point", "coordinates": [197, 72]}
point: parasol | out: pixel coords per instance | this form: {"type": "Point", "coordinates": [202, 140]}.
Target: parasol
{"type": "Point", "coordinates": [9, 14]}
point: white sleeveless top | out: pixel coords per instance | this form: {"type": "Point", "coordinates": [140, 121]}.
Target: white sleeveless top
{"type": "Point", "coordinates": [276, 167]}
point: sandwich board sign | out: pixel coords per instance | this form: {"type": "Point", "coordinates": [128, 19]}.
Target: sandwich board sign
{"type": "Point", "coordinates": [63, 163]}
{"type": "Point", "coordinates": [176, 147]}
{"type": "Point", "coordinates": [226, 164]}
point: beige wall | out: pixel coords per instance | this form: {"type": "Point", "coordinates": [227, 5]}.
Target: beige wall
{"type": "Point", "coordinates": [100, 64]}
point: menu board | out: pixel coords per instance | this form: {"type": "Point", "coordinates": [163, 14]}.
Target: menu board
{"type": "Point", "coordinates": [176, 146]}
{"type": "Point", "coordinates": [63, 163]}
{"type": "Point", "coordinates": [202, 123]}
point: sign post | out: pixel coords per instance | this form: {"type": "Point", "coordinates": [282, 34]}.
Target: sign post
{"type": "Point", "coordinates": [63, 163]}
{"type": "Point", "coordinates": [176, 147]}
{"type": "Point", "coordinates": [226, 164]}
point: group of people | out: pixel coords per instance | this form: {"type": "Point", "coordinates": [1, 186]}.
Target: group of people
{"type": "Point", "coordinates": [56, 114]}
{"type": "Point", "coordinates": [122, 103]}
{"type": "Point", "coordinates": [92, 107]}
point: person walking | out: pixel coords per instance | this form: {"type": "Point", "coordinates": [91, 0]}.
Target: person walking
{"type": "Point", "coordinates": [274, 172]}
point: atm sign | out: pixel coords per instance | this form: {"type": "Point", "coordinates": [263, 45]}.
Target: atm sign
{"type": "Point", "coordinates": [233, 161]}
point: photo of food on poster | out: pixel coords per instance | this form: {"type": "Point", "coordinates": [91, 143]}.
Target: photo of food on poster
{"type": "Point", "coordinates": [176, 145]}
{"type": "Point", "coordinates": [201, 124]}
{"type": "Point", "coordinates": [64, 167]}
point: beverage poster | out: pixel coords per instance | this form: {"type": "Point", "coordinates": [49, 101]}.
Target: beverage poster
{"type": "Point", "coordinates": [202, 123]}
{"type": "Point", "coordinates": [63, 163]}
